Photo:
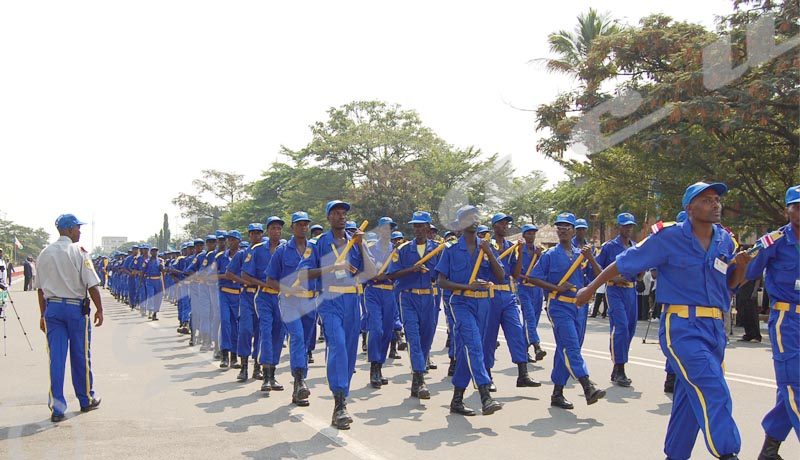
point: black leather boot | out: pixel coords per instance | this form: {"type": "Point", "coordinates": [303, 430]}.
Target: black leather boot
{"type": "Point", "coordinates": [669, 383]}
{"type": "Point", "coordinates": [451, 369]}
{"type": "Point", "coordinates": [341, 419]}
{"type": "Point", "coordinates": [401, 340]}
{"type": "Point", "coordinates": [489, 405]}
{"type": "Point", "coordinates": [393, 350]}
{"type": "Point", "coordinates": [310, 358]}
{"type": "Point", "coordinates": [540, 354]}
{"type": "Point", "coordinates": [384, 380]}
{"type": "Point", "coordinates": [243, 373]}
{"type": "Point", "coordinates": [374, 376]}
{"type": "Point", "coordinates": [523, 379]}
{"type": "Point", "coordinates": [234, 363]}
{"type": "Point", "coordinates": [531, 359]}
{"type": "Point", "coordinates": [224, 363]}
{"type": "Point", "coordinates": [300, 392]}
{"type": "Point", "coordinates": [431, 365]}
{"type": "Point", "coordinates": [363, 341]}
{"type": "Point", "coordinates": [618, 376]}
{"type": "Point", "coordinates": [769, 451]}
{"type": "Point", "coordinates": [492, 386]}
{"type": "Point", "coordinates": [591, 392]}
{"type": "Point", "coordinates": [271, 377]}
{"type": "Point", "coordinates": [258, 373]}
{"type": "Point", "coordinates": [418, 387]}
{"type": "Point", "coordinates": [265, 386]}
{"type": "Point", "coordinates": [557, 399]}
{"type": "Point", "coordinates": [457, 404]}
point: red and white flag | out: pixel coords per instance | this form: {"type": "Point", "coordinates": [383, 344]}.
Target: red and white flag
{"type": "Point", "coordinates": [17, 243]}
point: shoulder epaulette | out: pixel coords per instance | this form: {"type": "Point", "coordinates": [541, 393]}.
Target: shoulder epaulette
{"type": "Point", "coordinates": [220, 254]}
{"type": "Point", "coordinates": [403, 244]}
{"type": "Point", "coordinates": [658, 226]}
{"type": "Point", "coordinates": [766, 241]}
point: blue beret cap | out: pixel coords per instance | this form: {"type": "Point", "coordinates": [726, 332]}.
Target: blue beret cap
{"type": "Point", "coordinates": [350, 225]}
{"type": "Point", "coordinates": [316, 227]}
{"type": "Point", "coordinates": [211, 237]}
{"type": "Point", "coordinates": [482, 229]}
{"type": "Point", "coordinates": [698, 188]}
{"type": "Point", "coordinates": [372, 236]}
{"type": "Point", "coordinates": [335, 203]}
{"type": "Point", "coordinates": [680, 217]}
{"type": "Point", "coordinates": [199, 241]}
{"type": "Point", "coordinates": [581, 223]}
{"type": "Point", "coordinates": [420, 217]}
{"type": "Point", "coordinates": [65, 221]}
{"type": "Point", "coordinates": [244, 244]}
{"type": "Point", "coordinates": [501, 216]}
{"type": "Point", "coordinates": [300, 216]}
{"type": "Point", "coordinates": [144, 246]}
{"type": "Point", "coordinates": [273, 219]}
{"type": "Point", "coordinates": [255, 226]}
{"type": "Point", "coordinates": [566, 218]}
{"type": "Point", "coordinates": [626, 218]}
{"type": "Point", "coordinates": [235, 234]}
{"type": "Point", "coordinates": [397, 235]}
{"type": "Point", "coordinates": [793, 195]}
{"type": "Point", "coordinates": [221, 234]}
{"type": "Point", "coordinates": [387, 220]}
{"type": "Point", "coordinates": [464, 210]}
{"type": "Point", "coordinates": [528, 227]}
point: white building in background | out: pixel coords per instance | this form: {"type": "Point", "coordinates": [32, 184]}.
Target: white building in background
{"type": "Point", "coordinates": [111, 243]}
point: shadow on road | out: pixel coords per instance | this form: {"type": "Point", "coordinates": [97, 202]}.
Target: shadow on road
{"type": "Point", "coordinates": [458, 431]}
{"type": "Point", "coordinates": [559, 421]}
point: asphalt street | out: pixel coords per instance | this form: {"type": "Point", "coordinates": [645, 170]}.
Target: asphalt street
{"type": "Point", "coordinates": [164, 399]}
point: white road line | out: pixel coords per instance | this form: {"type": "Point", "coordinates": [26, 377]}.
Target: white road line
{"type": "Point", "coordinates": [342, 440]}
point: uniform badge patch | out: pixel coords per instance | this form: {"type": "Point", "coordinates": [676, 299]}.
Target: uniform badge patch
{"type": "Point", "coordinates": [307, 254]}
{"type": "Point", "coordinates": [395, 257]}
{"type": "Point", "coordinates": [249, 256]}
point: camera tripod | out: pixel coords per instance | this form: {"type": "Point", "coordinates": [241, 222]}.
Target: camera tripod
{"type": "Point", "coordinates": [6, 294]}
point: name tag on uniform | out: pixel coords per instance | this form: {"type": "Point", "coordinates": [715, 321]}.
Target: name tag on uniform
{"type": "Point", "coordinates": [797, 285]}
{"type": "Point", "coordinates": [721, 266]}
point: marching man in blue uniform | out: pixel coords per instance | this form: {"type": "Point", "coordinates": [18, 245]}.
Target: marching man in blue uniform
{"type": "Point", "coordinates": [464, 269]}
{"type": "Point", "coordinates": [229, 292]}
{"type": "Point", "coordinates": [153, 284]}
{"type": "Point", "coordinates": [65, 281]}
{"type": "Point", "coordinates": [781, 260]}
{"type": "Point", "coordinates": [697, 270]}
{"type": "Point", "coordinates": [417, 298]}
{"type": "Point", "coordinates": [560, 274]}
{"type": "Point", "coordinates": [340, 262]}
{"type": "Point", "coordinates": [530, 297]}
{"type": "Point", "coordinates": [621, 298]}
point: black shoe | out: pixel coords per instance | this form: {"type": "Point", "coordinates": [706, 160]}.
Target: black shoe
{"type": "Point", "coordinates": [155, 318]}
{"type": "Point", "coordinates": [401, 341]}
{"type": "Point", "coordinates": [300, 391]}
{"type": "Point", "coordinates": [393, 350]}
{"type": "Point", "coordinates": [374, 376]}
{"type": "Point", "coordinates": [769, 451]}
{"type": "Point", "coordinates": [55, 418]}
{"type": "Point", "coordinates": [258, 373]}
{"type": "Point", "coordinates": [491, 385]}
{"type": "Point", "coordinates": [457, 404]}
{"type": "Point", "coordinates": [523, 379]}
{"type": "Point", "coordinates": [242, 377]}
{"type": "Point", "coordinates": [93, 404]}
{"type": "Point", "coordinates": [618, 376]}
{"type": "Point", "coordinates": [418, 387]}
{"type": "Point", "coordinates": [489, 405]}
{"type": "Point", "coordinates": [341, 419]}
{"type": "Point", "coordinates": [310, 358]}
{"type": "Point", "coordinates": [364, 342]}
{"type": "Point", "coordinates": [540, 354]}
{"type": "Point", "coordinates": [224, 363]}
{"type": "Point", "coordinates": [669, 383]}
{"type": "Point", "coordinates": [451, 369]}
{"type": "Point", "coordinates": [592, 393]}
{"type": "Point", "coordinates": [530, 358]}
{"type": "Point", "coordinates": [557, 398]}
{"type": "Point", "coordinates": [432, 365]}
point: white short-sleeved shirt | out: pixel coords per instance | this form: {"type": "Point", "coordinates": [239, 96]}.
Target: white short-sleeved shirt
{"type": "Point", "coordinates": [65, 270]}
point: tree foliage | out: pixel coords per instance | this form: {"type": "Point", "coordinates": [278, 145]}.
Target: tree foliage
{"type": "Point", "coordinates": [744, 133]}
{"type": "Point", "coordinates": [204, 212]}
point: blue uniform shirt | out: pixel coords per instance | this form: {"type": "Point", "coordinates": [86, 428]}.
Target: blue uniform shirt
{"type": "Point", "coordinates": [285, 262]}
{"type": "Point", "coordinates": [456, 263]}
{"type": "Point", "coordinates": [406, 256]}
{"type": "Point", "coordinates": [507, 263]}
{"type": "Point", "coordinates": [554, 264]}
{"type": "Point", "coordinates": [687, 273]}
{"type": "Point", "coordinates": [782, 261]}
{"type": "Point", "coordinates": [235, 265]}
{"type": "Point", "coordinates": [256, 262]}
{"type": "Point", "coordinates": [324, 252]}
{"type": "Point", "coordinates": [379, 256]}
{"type": "Point", "coordinates": [153, 266]}
{"type": "Point", "coordinates": [223, 260]}
{"type": "Point", "coordinates": [609, 252]}
{"type": "Point", "coordinates": [195, 264]}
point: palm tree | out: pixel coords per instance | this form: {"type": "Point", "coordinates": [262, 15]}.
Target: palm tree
{"type": "Point", "coordinates": [573, 47]}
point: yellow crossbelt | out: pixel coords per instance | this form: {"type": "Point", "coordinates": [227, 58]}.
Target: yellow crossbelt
{"type": "Point", "coordinates": [682, 311]}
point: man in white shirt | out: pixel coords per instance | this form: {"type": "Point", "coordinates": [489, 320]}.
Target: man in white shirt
{"type": "Point", "coordinates": [66, 279]}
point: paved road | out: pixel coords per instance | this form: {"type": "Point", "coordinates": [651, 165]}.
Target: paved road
{"type": "Point", "coordinates": [163, 399]}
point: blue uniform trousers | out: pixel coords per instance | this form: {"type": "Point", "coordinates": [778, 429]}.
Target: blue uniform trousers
{"type": "Point", "coordinates": [784, 333]}
{"type": "Point", "coordinates": [293, 315]}
{"type": "Point", "coordinates": [448, 316]}
{"type": "Point", "coordinates": [398, 322]}
{"type": "Point", "coordinates": [68, 330]}
{"type": "Point", "coordinates": [504, 311]}
{"type": "Point", "coordinates": [340, 315]}
{"type": "Point", "coordinates": [214, 310]}
{"type": "Point", "coordinates": [270, 328]}
{"type": "Point", "coordinates": [133, 295]}
{"type": "Point", "coordinates": [566, 320]}
{"type": "Point", "coordinates": [531, 299]}
{"type": "Point", "coordinates": [247, 341]}
{"type": "Point", "coordinates": [418, 314]}
{"type": "Point", "coordinates": [154, 295]}
{"type": "Point", "coordinates": [184, 304]}
{"type": "Point", "coordinates": [229, 319]}
{"type": "Point", "coordinates": [623, 312]}
{"type": "Point", "coordinates": [201, 307]}
{"type": "Point", "coordinates": [469, 321]}
{"type": "Point", "coordinates": [381, 306]}
{"type": "Point", "coordinates": [695, 348]}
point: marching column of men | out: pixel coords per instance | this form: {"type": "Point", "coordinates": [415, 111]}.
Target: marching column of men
{"type": "Point", "coordinates": [243, 299]}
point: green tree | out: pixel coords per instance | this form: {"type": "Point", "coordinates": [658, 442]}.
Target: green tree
{"type": "Point", "coordinates": [571, 48]}
{"type": "Point", "coordinates": [744, 133]}
{"type": "Point", "coordinates": [225, 190]}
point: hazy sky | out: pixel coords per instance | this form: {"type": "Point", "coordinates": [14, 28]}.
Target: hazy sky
{"type": "Point", "coordinates": [109, 109]}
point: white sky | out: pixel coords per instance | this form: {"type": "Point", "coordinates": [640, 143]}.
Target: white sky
{"type": "Point", "coordinates": [109, 109]}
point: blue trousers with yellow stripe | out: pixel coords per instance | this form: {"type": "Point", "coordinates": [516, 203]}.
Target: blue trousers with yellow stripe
{"type": "Point", "coordinates": [68, 330]}
{"type": "Point", "coordinates": [531, 299]}
{"type": "Point", "coordinates": [504, 311]}
{"type": "Point", "coordinates": [623, 312]}
{"type": "Point", "coordinates": [695, 349]}
{"type": "Point", "coordinates": [248, 340]}
{"type": "Point", "coordinates": [784, 333]}
{"type": "Point", "coordinates": [154, 294]}
{"type": "Point", "coordinates": [469, 321]}
{"type": "Point", "coordinates": [270, 328]}
{"type": "Point", "coordinates": [295, 314]}
{"type": "Point", "coordinates": [418, 314]}
{"type": "Point", "coordinates": [566, 320]}
{"type": "Point", "coordinates": [340, 314]}
{"type": "Point", "coordinates": [381, 305]}
{"type": "Point", "coordinates": [229, 320]}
